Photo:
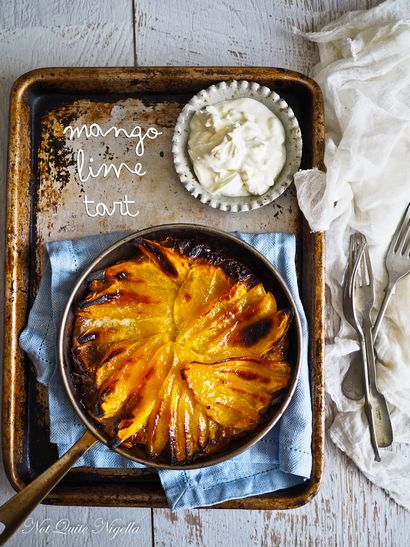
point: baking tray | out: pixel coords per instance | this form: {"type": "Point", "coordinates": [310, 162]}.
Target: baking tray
{"type": "Point", "coordinates": [46, 202]}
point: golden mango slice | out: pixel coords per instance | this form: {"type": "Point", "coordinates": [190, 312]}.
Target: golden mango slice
{"type": "Point", "coordinates": [202, 287]}
{"type": "Point", "coordinates": [114, 359]}
{"type": "Point", "coordinates": [139, 407]}
{"type": "Point", "coordinates": [242, 327]}
{"type": "Point", "coordinates": [129, 374]}
{"type": "Point", "coordinates": [171, 263]}
{"type": "Point", "coordinates": [188, 426]}
{"type": "Point", "coordinates": [119, 302]}
{"type": "Point", "coordinates": [98, 335]}
{"type": "Point", "coordinates": [201, 325]}
{"type": "Point", "coordinates": [137, 273]}
{"type": "Point", "coordinates": [253, 338]}
{"type": "Point", "coordinates": [191, 416]}
{"type": "Point", "coordinates": [158, 425]}
{"type": "Point", "coordinates": [254, 375]}
{"type": "Point", "coordinates": [141, 298]}
{"type": "Point", "coordinates": [235, 392]}
{"type": "Point", "coordinates": [190, 421]}
{"type": "Point", "coordinates": [176, 425]}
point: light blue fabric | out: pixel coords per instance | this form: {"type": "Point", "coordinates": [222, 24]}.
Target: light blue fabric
{"type": "Point", "coordinates": [280, 460]}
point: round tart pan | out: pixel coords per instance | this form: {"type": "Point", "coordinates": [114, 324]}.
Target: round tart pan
{"type": "Point", "coordinates": [231, 248]}
{"type": "Point", "coordinates": [235, 90]}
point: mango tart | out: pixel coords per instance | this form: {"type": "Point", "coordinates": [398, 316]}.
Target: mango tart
{"type": "Point", "coordinates": [179, 349]}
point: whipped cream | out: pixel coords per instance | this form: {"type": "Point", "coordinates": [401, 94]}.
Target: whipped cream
{"type": "Point", "coordinates": [237, 147]}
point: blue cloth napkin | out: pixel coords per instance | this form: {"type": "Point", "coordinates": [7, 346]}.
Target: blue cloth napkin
{"type": "Point", "coordinates": [281, 459]}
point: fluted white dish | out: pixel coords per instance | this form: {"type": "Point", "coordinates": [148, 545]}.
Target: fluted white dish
{"type": "Point", "coordinates": [235, 90]}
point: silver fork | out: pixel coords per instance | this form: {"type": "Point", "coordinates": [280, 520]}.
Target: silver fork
{"type": "Point", "coordinates": [365, 288]}
{"type": "Point", "coordinates": [397, 265]}
{"type": "Point", "coordinates": [352, 385]}
{"type": "Point", "coordinates": [356, 250]}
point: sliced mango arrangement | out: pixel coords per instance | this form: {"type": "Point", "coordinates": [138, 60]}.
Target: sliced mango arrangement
{"type": "Point", "coordinates": [180, 355]}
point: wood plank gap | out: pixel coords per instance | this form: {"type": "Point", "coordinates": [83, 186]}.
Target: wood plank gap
{"type": "Point", "coordinates": [134, 33]}
{"type": "Point", "coordinates": [152, 528]}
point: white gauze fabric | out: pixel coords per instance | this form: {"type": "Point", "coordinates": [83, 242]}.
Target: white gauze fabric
{"type": "Point", "coordinates": [364, 73]}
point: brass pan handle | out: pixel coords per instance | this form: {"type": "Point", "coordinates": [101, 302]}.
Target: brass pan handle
{"type": "Point", "coordinates": [15, 511]}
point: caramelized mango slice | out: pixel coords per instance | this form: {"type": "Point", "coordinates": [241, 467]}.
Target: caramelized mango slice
{"type": "Point", "coordinates": [136, 300]}
{"type": "Point", "coordinates": [235, 392]}
{"type": "Point", "coordinates": [141, 297]}
{"type": "Point", "coordinates": [113, 359]}
{"type": "Point", "coordinates": [254, 375]}
{"type": "Point", "coordinates": [189, 425]}
{"type": "Point", "coordinates": [280, 351]}
{"type": "Point", "coordinates": [98, 332]}
{"type": "Point", "coordinates": [176, 424]}
{"type": "Point", "coordinates": [191, 416]}
{"type": "Point", "coordinates": [171, 263]}
{"type": "Point", "coordinates": [158, 425]}
{"type": "Point", "coordinates": [200, 325]}
{"type": "Point", "coordinates": [138, 272]}
{"type": "Point", "coordinates": [203, 285]}
{"type": "Point", "coordinates": [97, 335]}
{"type": "Point", "coordinates": [253, 338]}
{"type": "Point", "coordinates": [213, 432]}
{"type": "Point", "coordinates": [88, 350]}
{"type": "Point", "coordinates": [204, 427]}
{"type": "Point", "coordinates": [140, 405]}
{"type": "Point", "coordinates": [249, 326]}
{"type": "Point", "coordinates": [131, 368]}
{"type": "Point", "coordinates": [177, 419]}
{"type": "Point", "coordinates": [122, 301]}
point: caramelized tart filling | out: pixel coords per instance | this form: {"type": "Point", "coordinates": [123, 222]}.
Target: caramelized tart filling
{"type": "Point", "coordinates": [179, 350]}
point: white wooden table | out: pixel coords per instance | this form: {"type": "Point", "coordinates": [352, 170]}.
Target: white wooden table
{"type": "Point", "coordinates": [36, 33]}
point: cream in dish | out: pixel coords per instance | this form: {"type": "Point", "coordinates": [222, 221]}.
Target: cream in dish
{"type": "Point", "coordinates": [237, 147]}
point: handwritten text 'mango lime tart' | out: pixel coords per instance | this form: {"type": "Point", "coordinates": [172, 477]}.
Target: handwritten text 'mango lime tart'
{"type": "Point", "coordinates": [237, 147]}
{"type": "Point", "coordinates": [179, 350]}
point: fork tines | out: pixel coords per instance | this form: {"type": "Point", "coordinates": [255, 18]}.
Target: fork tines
{"type": "Point", "coordinates": [400, 237]}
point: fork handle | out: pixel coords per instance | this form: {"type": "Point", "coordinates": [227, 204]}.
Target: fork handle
{"type": "Point", "coordinates": [368, 409]}
{"type": "Point", "coordinates": [387, 295]}
{"type": "Point", "coordinates": [382, 422]}
{"type": "Point", "coordinates": [372, 428]}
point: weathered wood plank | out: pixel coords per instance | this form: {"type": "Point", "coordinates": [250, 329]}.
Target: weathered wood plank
{"type": "Point", "coordinates": [214, 32]}
{"type": "Point", "coordinates": [43, 13]}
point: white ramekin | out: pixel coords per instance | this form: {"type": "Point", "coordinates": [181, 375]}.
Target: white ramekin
{"type": "Point", "coordinates": [235, 90]}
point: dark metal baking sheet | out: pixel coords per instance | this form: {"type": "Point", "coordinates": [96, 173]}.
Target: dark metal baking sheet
{"type": "Point", "coordinates": [45, 203]}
